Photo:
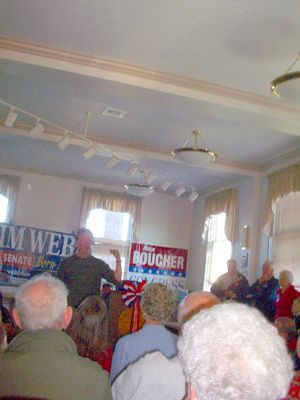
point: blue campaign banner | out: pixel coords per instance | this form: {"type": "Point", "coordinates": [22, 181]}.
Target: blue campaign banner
{"type": "Point", "coordinates": [27, 251]}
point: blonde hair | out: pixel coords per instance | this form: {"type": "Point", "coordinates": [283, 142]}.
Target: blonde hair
{"type": "Point", "coordinates": [89, 326]}
{"type": "Point", "coordinates": [158, 302]}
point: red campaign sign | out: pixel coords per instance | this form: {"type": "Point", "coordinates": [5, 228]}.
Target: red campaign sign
{"type": "Point", "coordinates": [152, 259]}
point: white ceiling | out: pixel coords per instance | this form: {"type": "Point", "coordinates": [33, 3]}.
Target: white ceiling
{"type": "Point", "coordinates": [173, 66]}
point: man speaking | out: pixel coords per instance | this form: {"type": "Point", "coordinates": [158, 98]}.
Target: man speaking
{"type": "Point", "coordinates": [82, 273]}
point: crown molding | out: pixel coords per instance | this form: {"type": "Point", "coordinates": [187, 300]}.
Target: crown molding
{"type": "Point", "coordinates": [283, 160]}
{"type": "Point", "coordinates": [35, 54]}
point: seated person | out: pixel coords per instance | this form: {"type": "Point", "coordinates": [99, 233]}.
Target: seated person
{"type": "Point", "coordinates": [157, 304]}
{"type": "Point", "coordinates": [286, 328]}
{"type": "Point", "coordinates": [232, 352]}
{"type": "Point", "coordinates": [153, 376]}
{"type": "Point", "coordinates": [143, 380]}
{"type": "Point", "coordinates": [3, 339]}
{"type": "Point", "coordinates": [106, 290]}
{"type": "Point", "coordinates": [8, 323]}
{"type": "Point", "coordinates": [193, 303]}
{"type": "Point", "coordinates": [262, 294]}
{"type": "Point", "coordinates": [88, 329]}
{"type": "Point", "coordinates": [42, 361]}
{"type": "Point", "coordinates": [232, 285]}
{"type": "Point", "coordinates": [286, 295]}
{"type": "Point", "coordinates": [294, 390]}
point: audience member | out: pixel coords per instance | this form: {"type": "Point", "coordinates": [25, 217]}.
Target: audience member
{"type": "Point", "coordinates": [7, 322]}
{"type": "Point", "coordinates": [232, 285]}
{"type": "Point", "coordinates": [193, 303]}
{"type": "Point", "coordinates": [142, 380]}
{"type": "Point", "coordinates": [88, 329]}
{"type": "Point", "coordinates": [262, 294]}
{"type": "Point", "coordinates": [42, 361]}
{"type": "Point", "coordinates": [231, 352]}
{"type": "Point", "coordinates": [285, 295]}
{"type": "Point", "coordinates": [3, 339]}
{"type": "Point", "coordinates": [286, 328]}
{"type": "Point", "coordinates": [153, 376]}
{"type": "Point", "coordinates": [82, 273]}
{"type": "Point", "coordinates": [294, 390]}
{"type": "Point", "coordinates": [105, 293]}
{"type": "Point", "coordinates": [157, 304]}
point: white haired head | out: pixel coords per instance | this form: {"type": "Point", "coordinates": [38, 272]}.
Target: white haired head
{"type": "Point", "coordinates": [286, 278]}
{"type": "Point", "coordinates": [231, 352]}
{"type": "Point", "coordinates": [41, 303]}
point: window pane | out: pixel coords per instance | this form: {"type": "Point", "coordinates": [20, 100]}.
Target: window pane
{"type": "Point", "coordinates": [218, 250]}
{"type": "Point", "coordinates": [3, 208]}
{"type": "Point", "coordinates": [109, 224]}
{"type": "Point", "coordinates": [286, 235]}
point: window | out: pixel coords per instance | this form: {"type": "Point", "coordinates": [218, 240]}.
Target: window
{"type": "Point", "coordinates": [112, 229]}
{"type": "Point", "coordinates": [114, 219]}
{"type": "Point", "coordinates": [218, 250]}
{"type": "Point", "coordinates": [285, 242]}
{"type": "Point", "coordinates": [9, 187]}
{"type": "Point", "coordinates": [111, 225]}
{"type": "Point", "coordinates": [3, 208]}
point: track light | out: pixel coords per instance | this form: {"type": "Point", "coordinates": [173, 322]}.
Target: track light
{"type": "Point", "coordinates": [10, 118]}
{"type": "Point", "coordinates": [165, 186]}
{"type": "Point", "coordinates": [179, 191]}
{"type": "Point", "coordinates": [193, 196]}
{"type": "Point", "coordinates": [65, 141]}
{"type": "Point", "coordinates": [150, 176]}
{"type": "Point", "coordinates": [112, 162]}
{"type": "Point", "coordinates": [37, 129]}
{"type": "Point", "coordinates": [132, 169]}
{"type": "Point", "coordinates": [89, 153]}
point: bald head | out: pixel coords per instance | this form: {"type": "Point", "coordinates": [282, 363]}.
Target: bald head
{"type": "Point", "coordinates": [193, 303]}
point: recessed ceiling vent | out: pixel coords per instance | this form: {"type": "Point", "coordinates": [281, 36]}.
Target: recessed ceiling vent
{"type": "Point", "coordinates": [114, 112]}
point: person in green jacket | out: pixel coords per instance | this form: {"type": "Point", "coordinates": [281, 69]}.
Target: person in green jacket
{"type": "Point", "coordinates": [42, 361]}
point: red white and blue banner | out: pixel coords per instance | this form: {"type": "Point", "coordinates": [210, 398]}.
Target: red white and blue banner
{"type": "Point", "coordinates": [26, 251]}
{"type": "Point", "coordinates": [157, 264]}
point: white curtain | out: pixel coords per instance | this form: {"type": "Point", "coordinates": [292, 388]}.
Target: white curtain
{"type": "Point", "coordinates": [111, 201]}
{"type": "Point", "coordinates": [9, 188]}
{"type": "Point", "coordinates": [217, 203]}
{"type": "Point", "coordinates": [280, 184]}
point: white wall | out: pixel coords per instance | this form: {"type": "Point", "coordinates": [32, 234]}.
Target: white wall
{"type": "Point", "coordinates": [48, 202]}
{"type": "Point", "coordinates": [167, 221]}
{"type": "Point", "coordinates": [54, 203]}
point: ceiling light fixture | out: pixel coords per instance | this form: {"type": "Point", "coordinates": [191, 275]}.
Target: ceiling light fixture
{"type": "Point", "coordinates": [140, 189]}
{"type": "Point", "coordinates": [179, 191]}
{"type": "Point", "coordinates": [193, 196]}
{"type": "Point", "coordinates": [112, 162]}
{"type": "Point", "coordinates": [65, 141]}
{"type": "Point", "coordinates": [165, 186]}
{"type": "Point", "coordinates": [150, 176]}
{"type": "Point", "coordinates": [89, 153]}
{"type": "Point", "coordinates": [287, 85]}
{"type": "Point", "coordinates": [132, 169]}
{"type": "Point", "coordinates": [194, 156]}
{"type": "Point", "coordinates": [10, 118]}
{"type": "Point", "coordinates": [37, 130]}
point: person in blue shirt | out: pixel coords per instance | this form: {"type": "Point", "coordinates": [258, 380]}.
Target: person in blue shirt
{"type": "Point", "coordinates": [157, 304]}
{"type": "Point", "coordinates": [262, 293]}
